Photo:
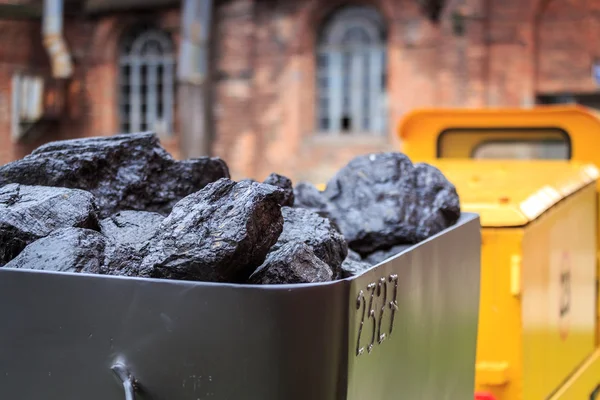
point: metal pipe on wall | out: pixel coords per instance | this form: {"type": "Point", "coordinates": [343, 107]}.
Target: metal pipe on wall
{"type": "Point", "coordinates": [54, 42]}
{"type": "Point", "coordinates": [487, 42]}
{"type": "Point", "coordinates": [193, 71]}
{"type": "Point", "coordinates": [193, 59]}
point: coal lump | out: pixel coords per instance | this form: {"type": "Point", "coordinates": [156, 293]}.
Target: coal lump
{"type": "Point", "coordinates": [28, 213]}
{"type": "Point", "coordinates": [221, 233]}
{"type": "Point", "coordinates": [319, 233]}
{"type": "Point", "coordinates": [123, 172]}
{"type": "Point", "coordinates": [353, 265]}
{"type": "Point", "coordinates": [294, 262]}
{"type": "Point", "coordinates": [285, 184]}
{"type": "Point", "coordinates": [132, 228]}
{"type": "Point", "coordinates": [382, 200]}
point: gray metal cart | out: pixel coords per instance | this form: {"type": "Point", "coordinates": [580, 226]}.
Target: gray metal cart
{"type": "Point", "coordinates": [405, 329]}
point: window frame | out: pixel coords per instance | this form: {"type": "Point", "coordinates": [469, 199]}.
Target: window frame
{"type": "Point", "coordinates": [518, 142]}
{"type": "Point", "coordinates": [159, 101]}
{"type": "Point", "coordinates": [370, 89]}
{"type": "Point", "coordinates": [555, 129]}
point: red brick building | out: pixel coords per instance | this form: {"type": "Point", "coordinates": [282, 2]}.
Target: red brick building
{"type": "Point", "coordinates": [295, 86]}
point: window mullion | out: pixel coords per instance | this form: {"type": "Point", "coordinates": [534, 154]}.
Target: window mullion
{"type": "Point", "coordinates": [356, 93]}
{"type": "Point", "coordinates": [335, 90]}
{"type": "Point", "coordinates": [375, 86]}
{"type": "Point", "coordinates": [354, 96]}
{"type": "Point", "coordinates": [135, 86]}
{"type": "Point", "coordinates": [151, 98]}
{"type": "Point", "coordinates": [148, 52]}
{"type": "Point", "coordinates": [168, 96]}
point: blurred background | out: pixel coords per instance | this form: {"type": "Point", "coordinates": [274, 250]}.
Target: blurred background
{"type": "Point", "coordinates": [296, 87]}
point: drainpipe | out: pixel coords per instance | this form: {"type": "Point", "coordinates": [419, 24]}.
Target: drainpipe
{"type": "Point", "coordinates": [54, 41]}
{"type": "Point", "coordinates": [487, 43]}
{"type": "Point", "coordinates": [193, 60]}
{"type": "Point", "coordinates": [193, 76]}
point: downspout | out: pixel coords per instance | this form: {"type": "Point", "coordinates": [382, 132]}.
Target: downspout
{"type": "Point", "coordinates": [538, 13]}
{"type": "Point", "coordinates": [487, 42]}
{"type": "Point", "coordinates": [193, 77]}
{"type": "Point", "coordinates": [54, 41]}
{"type": "Point", "coordinates": [193, 59]}
{"type": "Point", "coordinates": [462, 64]}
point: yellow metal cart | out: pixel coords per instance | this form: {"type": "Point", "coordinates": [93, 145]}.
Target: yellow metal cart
{"type": "Point", "coordinates": [532, 177]}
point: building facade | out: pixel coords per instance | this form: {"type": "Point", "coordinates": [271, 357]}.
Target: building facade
{"type": "Point", "coordinates": [297, 87]}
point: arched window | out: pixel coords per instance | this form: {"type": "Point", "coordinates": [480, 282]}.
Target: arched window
{"type": "Point", "coordinates": [146, 65]}
{"type": "Point", "coordinates": [351, 81]}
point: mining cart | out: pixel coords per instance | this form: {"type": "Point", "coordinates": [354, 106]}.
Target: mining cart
{"type": "Point", "coordinates": [531, 176]}
{"type": "Point", "coordinates": [404, 329]}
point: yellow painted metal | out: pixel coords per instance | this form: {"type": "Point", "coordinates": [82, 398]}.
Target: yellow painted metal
{"type": "Point", "coordinates": [558, 279]}
{"type": "Point", "coordinates": [520, 351]}
{"type": "Point", "coordinates": [583, 383]}
{"type": "Point", "coordinates": [539, 221]}
{"type": "Point", "coordinates": [419, 130]}
{"type": "Point", "coordinates": [513, 193]}
{"type": "Point", "coordinates": [498, 368]}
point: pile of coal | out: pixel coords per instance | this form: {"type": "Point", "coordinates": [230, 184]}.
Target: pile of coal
{"type": "Point", "coordinates": [77, 250]}
{"type": "Point", "coordinates": [382, 200]}
{"type": "Point", "coordinates": [219, 234]}
{"type": "Point", "coordinates": [123, 172]}
{"type": "Point", "coordinates": [64, 250]}
{"type": "Point", "coordinates": [322, 238]}
{"type": "Point", "coordinates": [282, 182]}
{"type": "Point", "coordinates": [131, 228]}
{"type": "Point", "coordinates": [382, 255]}
{"type": "Point", "coordinates": [29, 213]}
{"type": "Point", "coordinates": [121, 205]}
{"type": "Point", "coordinates": [294, 262]}
{"type": "Point", "coordinates": [354, 265]}
{"type": "Point", "coordinates": [308, 196]}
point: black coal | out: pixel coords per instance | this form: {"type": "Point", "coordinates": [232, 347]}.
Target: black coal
{"type": "Point", "coordinates": [65, 250]}
{"type": "Point", "coordinates": [131, 228]}
{"type": "Point", "coordinates": [294, 262]}
{"type": "Point", "coordinates": [307, 196]}
{"type": "Point", "coordinates": [220, 234]}
{"type": "Point", "coordinates": [285, 184]}
{"type": "Point", "coordinates": [381, 200]}
{"type": "Point", "coordinates": [382, 255]}
{"type": "Point", "coordinates": [123, 172]}
{"type": "Point", "coordinates": [354, 265]}
{"type": "Point", "coordinates": [318, 233]}
{"type": "Point", "coordinates": [121, 205]}
{"type": "Point", "coordinates": [78, 250]}
{"type": "Point", "coordinates": [29, 213]}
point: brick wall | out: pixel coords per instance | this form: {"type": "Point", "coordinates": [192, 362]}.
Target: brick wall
{"type": "Point", "coordinates": [569, 41]}
{"type": "Point", "coordinates": [235, 137]}
{"type": "Point", "coordinates": [21, 50]}
{"type": "Point", "coordinates": [265, 92]}
{"type": "Point", "coordinates": [264, 74]}
{"type": "Point", "coordinates": [510, 51]}
{"type": "Point", "coordinates": [91, 93]}
{"type": "Point", "coordinates": [94, 43]}
{"type": "Point", "coordinates": [264, 106]}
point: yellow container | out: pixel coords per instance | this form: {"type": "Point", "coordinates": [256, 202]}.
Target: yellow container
{"type": "Point", "coordinates": [537, 307]}
{"type": "Point", "coordinates": [538, 320]}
